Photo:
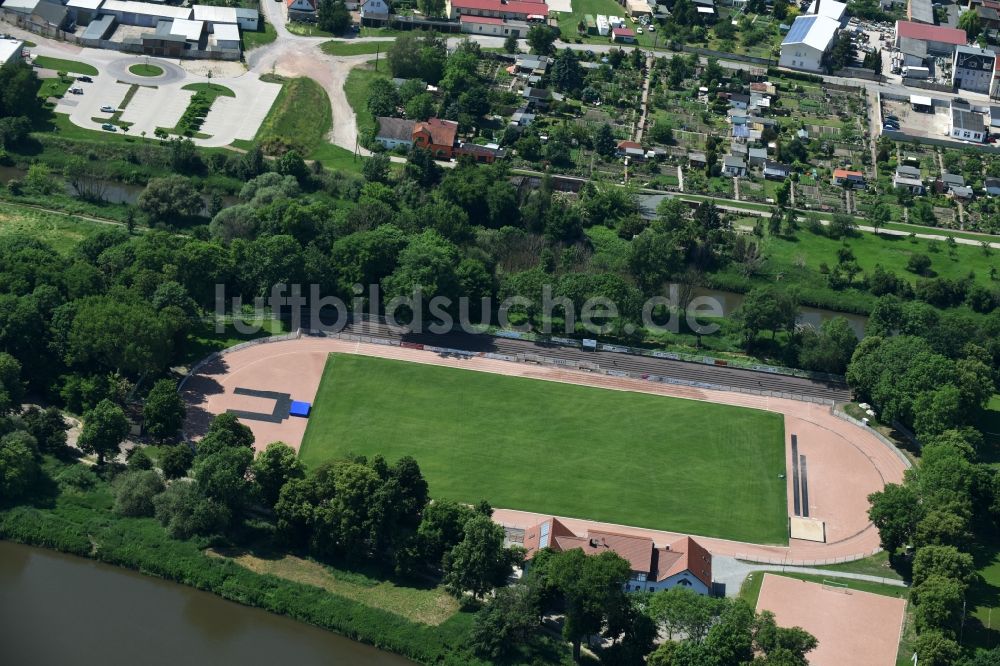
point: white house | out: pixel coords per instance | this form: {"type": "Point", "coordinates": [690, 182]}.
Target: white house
{"type": "Point", "coordinates": [967, 125]}
{"type": "Point", "coordinates": [806, 43]}
{"type": "Point", "coordinates": [683, 562]}
{"type": "Point", "coordinates": [375, 9]}
{"type": "Point", "coordinates": [394, 133]}
{"type": "Point", "coordinates": [301, 10]}
{"type": "Point", "coordinates": [972, 69]}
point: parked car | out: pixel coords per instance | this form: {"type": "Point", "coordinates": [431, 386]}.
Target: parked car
{"type": "Point", "coordinates": [652, 28]}
{"type": "Point", "coordinates": [638, 31]}
{"type": "Point", "coordinates": [107, 109]}
{"type": "Point", "coordinates": [85, 79]}
{"type": "Point", "coordinates": [109, 127]}
{"type": "Point", "coordinates": [891, 118]}
{"type": "Point", "coordinates": [76, 91]}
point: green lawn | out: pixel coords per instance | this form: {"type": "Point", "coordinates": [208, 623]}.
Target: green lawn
{"type": "Point", "coordinates": [354, 48]}
{"type": "Point", "coordinates": [876, 565]}
{"type": "Point", "coordinates": [306, 30]}
{"type": "Point", "coordinates": [55, 87]}
{"type": "Point", "coordinates": [252, 40]}
{"type": "Point", "coordinates": [982, 628]}
{"type": "Point", "coordinates": [212, 90]}
{"type": "Point", "coordinates": [300, 117]}
{"type": "Point", "coordinates": [576, 451]}
{"type": "Point", "coordinates": [60, 231]}
{"type": "Point", "coordinates": [61, 65]}
{"type": "Point", "coordinates": [144, 69]}
{"type": "Point", "coordinates": [356, 89]}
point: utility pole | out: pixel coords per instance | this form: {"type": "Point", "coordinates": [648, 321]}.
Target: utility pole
{"type": "Point", "coordinates": [378, 47]}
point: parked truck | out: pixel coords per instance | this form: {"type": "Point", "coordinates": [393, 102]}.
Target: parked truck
{"type": "Point", "coordinates": [916, 73]}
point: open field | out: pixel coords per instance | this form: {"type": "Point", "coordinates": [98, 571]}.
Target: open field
{"type": "Point", "coordinates": [354, 48]}
{"type": "Point", "coordinates": [60, 231]}
{"type": "Point", "coordinates": [356, 89]}
{"type": "Point", "coordinates": [428, 605]}
{"type": "Point", "coordinates": [300, 117]}
{"type": "Point", "coordinates": [573, 451]}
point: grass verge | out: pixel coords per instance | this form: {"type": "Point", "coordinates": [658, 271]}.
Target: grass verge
{"type": "Point", "coordinates": [265, 35]}
{"type": "Point", "coordinates": [62, 65]}
{"type": "Point", "coordinates": [354, 48]}
{"type": "Point", "coordinates": [689, 466]}
{"type": "Point", "coordinates": [356, 88]}
{"type": "Point", "coordinates": [61, 232]}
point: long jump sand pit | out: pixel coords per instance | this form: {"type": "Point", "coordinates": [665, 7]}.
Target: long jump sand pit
{"type": "Point", "coordinates": [845, 462]}
{"type": "Point", "coordinates": [852, 627]}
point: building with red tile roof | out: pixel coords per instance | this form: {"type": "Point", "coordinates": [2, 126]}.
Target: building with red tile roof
{"type": "Point", "coordinates": [437, 136]}
{"type": "Point", "coordinates": [939, 39]}
{"type": "Point", "coordinates": [519, 10]}
{"type": "Point", "coordinates": [683, 562]}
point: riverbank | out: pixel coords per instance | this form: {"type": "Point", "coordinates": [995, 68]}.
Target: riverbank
{"type": "Point", "coordinates": [72, 514]}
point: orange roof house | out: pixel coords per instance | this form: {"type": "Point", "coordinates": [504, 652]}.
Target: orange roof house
{"type": "Point", "coordinates": [437, 136]}
{"type": "Point", "coordinates": [683, 562]}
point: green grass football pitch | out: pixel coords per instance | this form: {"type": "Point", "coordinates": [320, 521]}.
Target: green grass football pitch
{"type": "Point", "coordinates": [612, 456]}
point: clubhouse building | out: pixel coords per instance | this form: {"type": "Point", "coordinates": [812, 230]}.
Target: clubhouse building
{"type": "Point", "coordinates": [683, 562]}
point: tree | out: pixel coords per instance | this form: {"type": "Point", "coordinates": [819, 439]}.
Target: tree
{"type": "Point", "coordinates": [879, 216]}
{"type": "Point", "coordinates": [830, 349]}
{"type": "Point", "coordinates": [510, 44]}
{"type": "Point", "coordinates": [376, 168]}
{"type": "Point", "coordinates": [332, 16]}
{"type": "Point", "coordinates": [934, 648]}
{"type": "Point", "coordinates": [919, 263]}
{"type": "Point", "coordinates": [185, 512]}
{"type": "Point", "coordinates": [604, 141]}
{"type": "Point", "coordinates": [479, 562]}
{"type": "Point", "coordinates": [766, 309]}
{"type": "Point", "coordinates": [541, 38]}
{"type": "Point", "coordinates": [225, 431]}
{"type": "Point", "coordinates": [164, 411]}
{"type": "Point", "coordinates": [945, 561]}
{"type": "Point", "coordinates": [680, 610]}
{"type": "Point", "coordinates": [937, 603]}
{"type": "Point", "coordinates": [895, 512]}
{"type": "Point", "coordinates": [969, 22]}
{"type": "Point", "coordinates": [420, 107]}
{"type": "Point", "coordinates": [222, 476]}
{"type": "Point", "coordinates": [506, 621]}
{"type": "Point", "coordinates": [431, 7]}
{"type": "Point", "coordinates": [273, 468]}
{"type": "Point", "coordinates": [175, 461]}
{"type": "Point", "coordinates": [19, 86]}
{"type": "Point", "coordinates": [128, 337]}
{"type": "Point", "coordinates": [18, 464]}
{"type": "Point", "coordinates": [47, 426]}
{"type": "Point", "coordinates": [135, 492]}
{"type": "Point", "coordinates": [566, 73]}
{"type": "Point", "coordinates": [166, 199]}
{"type": "Point", "coordinates": [383, 98]}
{"type": "Point", "coordinates": [104, 429]}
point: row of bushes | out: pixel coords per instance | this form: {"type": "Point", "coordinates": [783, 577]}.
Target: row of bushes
{"type": "Point", "coordinates": [81, 523]}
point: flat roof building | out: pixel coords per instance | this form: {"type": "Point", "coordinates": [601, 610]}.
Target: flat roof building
{"type": "Point", "coordinates": [10, 51]}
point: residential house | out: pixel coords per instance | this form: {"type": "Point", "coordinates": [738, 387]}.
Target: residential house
{"type": "Point", "coordinates": [301, 10]}
{"type": "Point", "coordinates": [522, 118]}
{"type": "Point", "coordinates": [972, 69]}
{"type": "Point", "coordinates": [947, 181]}
{"type": "Point", "coordinates": [394, 133]}
{"type": "Point", "coordinates": [518, 10]}
{"type": "Point", "coordinates": [487, 154]}
{"type": "Point", "coordinates": [966, 124]}
{"type": "Point", "coordinates": [757, 156]}
{"type": "Point", "coordinates": [847, 178]}
{"type": "Point", "coordinates": [912, 52]}
{"type": "Point", "coordinates": [938, 39]}
{"type": "Point", "coordinates": [525, 63]}
{"type": "Point", "coordinates": [776, 170]}
{"type": "Point", "coordinates": [734, 166]}
{"type": "Point", "coordinates": [623, 35]}
{"type": "Point", "coordinates": [697, 160]}
{"type": "Point", "coordinates": [738, 101]}
{"type": "Point", "coordinates": [538, 97]}
{"type": "Point", "coordinates": [908, 178]}
{"type": "Point", "coordinates": [807, 42]}
{"type": "Point", "coordinates": [631, 149]}
{"type": "Point", "coordinates": [437, 136]}
{"type": "Point", "coordinates": [681, 563]}
{"type": "Point", "coordinates": [988, 12]}
{"type": "Point", "coordinates": [992, 186]}
{"type": "Point", "coordinates": [374, 10]}
{"type": "Point", "coordinates": [964, 192]}
{"type": "Point", "coordinates": [738, 149]}
{"type": "Point", "coordinates": [763, 87]}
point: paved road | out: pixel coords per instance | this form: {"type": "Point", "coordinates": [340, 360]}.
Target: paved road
{"type": "Point", "coordinates": [731, 573]}
{"type": "Point", "coordinates": [737, 378]}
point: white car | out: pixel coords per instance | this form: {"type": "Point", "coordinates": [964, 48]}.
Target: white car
{"type": "Point", "coordinates": [108, 109]}
{"type": "Point", "coordinates": [652, 28]}
{"type": "Point", "coordinates": [638, 31]}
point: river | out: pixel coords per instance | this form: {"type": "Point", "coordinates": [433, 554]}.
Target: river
{"type": "Point", "coordinates": [58, 609]}
{"type": "Point", "coordinates": [810, 316]}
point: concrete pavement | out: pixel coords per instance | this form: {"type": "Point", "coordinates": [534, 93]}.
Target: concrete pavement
{"type": "Point", "coordinates": [731, 573]}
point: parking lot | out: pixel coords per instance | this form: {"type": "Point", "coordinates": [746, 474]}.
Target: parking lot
{"type": "Point", "coordinates": [156, 107]}
{"type": "Point", "coordinates": [239, 117]}
{"type": "Point", "coordinates": [933, 122]}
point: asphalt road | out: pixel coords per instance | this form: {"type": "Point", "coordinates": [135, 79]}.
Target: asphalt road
{"type": "Point", "coordinates": [722, 377]}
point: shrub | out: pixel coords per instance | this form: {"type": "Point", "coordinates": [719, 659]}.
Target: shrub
{"type": "Point", "coordinates": [77, 477]}
{"type": "Point", "coordinates": [135, 493]}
